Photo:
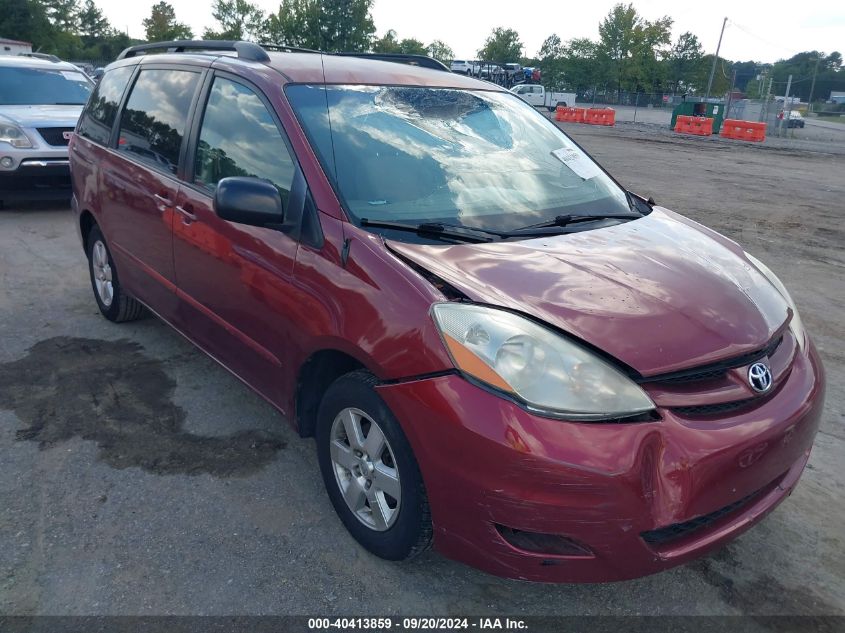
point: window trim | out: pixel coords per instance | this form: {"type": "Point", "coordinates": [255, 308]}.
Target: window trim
{"type": "Point", "coordinates": [118, 110]}
{"type": "Point", "coordinates": [139, 68]}
{"type": "Point", "coordinates": [299, 190]}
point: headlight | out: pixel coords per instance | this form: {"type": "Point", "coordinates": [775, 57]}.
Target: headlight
{"type": "Point", "coordinates": [13, 135]}
{"type": "Point", "coordinates": [549, 373]}
{"type": "Point", "coordinates": [796, 325]}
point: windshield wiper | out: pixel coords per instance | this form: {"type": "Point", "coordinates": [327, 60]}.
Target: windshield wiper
{"type": "Point", "coordinates": [561, 221]}
{"type": "Point", "coordinates": [438, 229]}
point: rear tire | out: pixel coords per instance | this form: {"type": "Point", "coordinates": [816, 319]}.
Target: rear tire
{"type": "Point", "coordinates": [367, 464]}
{"type": "Point", "coordinates": [114, 303]}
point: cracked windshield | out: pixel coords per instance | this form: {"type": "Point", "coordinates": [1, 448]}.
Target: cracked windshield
{"type": "Point", "coordinates": [476, 158]}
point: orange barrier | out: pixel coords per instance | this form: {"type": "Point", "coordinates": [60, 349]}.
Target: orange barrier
{"type": "Point", "coordinates": [743, 130]}
{"type": "Point", "coordinates": [600, 116]}
{"type": "Point", "coordinates": [570, 115]}
{"type": "Point", "coordinates": [698, 125]}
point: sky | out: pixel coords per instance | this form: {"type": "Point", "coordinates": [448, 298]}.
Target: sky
{"type": "Point", "coordinates": [763, 32]}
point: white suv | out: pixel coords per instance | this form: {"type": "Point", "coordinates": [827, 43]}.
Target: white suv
{"type": "Point", "coordinates": [40, 103]}
{"type": "Point", "coordinates": [465, 67]}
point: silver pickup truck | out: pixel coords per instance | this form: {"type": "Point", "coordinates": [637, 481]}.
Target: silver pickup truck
{"type": "Point", "coordinates": [40, 102]}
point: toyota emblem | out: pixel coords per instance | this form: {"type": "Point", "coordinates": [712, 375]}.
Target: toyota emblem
{"type": "Point", "coordinates": [760, 377]}
{"type": "Point", "coordinates": [67, 135]}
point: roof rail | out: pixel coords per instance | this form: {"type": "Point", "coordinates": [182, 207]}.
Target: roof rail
{"type": "Point", "coordinates": [414, 60]}
{"type": "Point", "coordinates": [284, 48]}
{"type": "Point", "coordinates": [245, 50]}
{"type": "Point", "coordinates": [44, 56]}
{"type": "Point", "coordinates": [257, 53]}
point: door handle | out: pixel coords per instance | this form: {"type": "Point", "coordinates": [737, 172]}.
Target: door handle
{"type": "Point", "coordinates": [187, 213]}
{"type": "Point", "coordinates": [164, 202]}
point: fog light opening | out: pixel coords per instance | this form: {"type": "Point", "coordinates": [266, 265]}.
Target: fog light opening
{"type": "Point", "coordinates": [7, 162]}
{"type": "Point", "coordinates": [544, 544]}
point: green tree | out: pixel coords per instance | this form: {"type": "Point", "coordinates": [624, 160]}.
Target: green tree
{"type": "Point", "coordinates": [551, 61]}
{"type": "Point", "coordinates": [441, 51]}
{"type": "Point", "coordinates": [93, 25]}
{"type": "Point", "coordinates": [347, 25]}
{"type": "Point", "coordinates": [388, 43]}
{"type": "Point", "coordinates": [632, 47]}
{"type": "Point", "coordinates": [502, 45]}
{"type": "Point", "coordinates": [162, 26]}
{"type": "Point", "coordinates": [25, 20]}
{"type": "Point", "coordinates": [552, 48]}
{"type": "Point", "coordinates": [582, 66]}
{"type": "Point", "coordinates": [802, 66]}
{"type": "Point", "coordinates": [238, 20]}
{"type": "Point", "coordinates": [63, 14]}
{"type": "Point", "coordinates": [411, 46]}
{"type": "Point", "coordinates": [330, 25]}
{"type": "Point", "coordinates": [297, 23]}
{"type": "Point", "coordinates": [721, 78]}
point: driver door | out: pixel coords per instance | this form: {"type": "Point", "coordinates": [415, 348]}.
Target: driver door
{"type": "Point", "coordinates": [234, 281]}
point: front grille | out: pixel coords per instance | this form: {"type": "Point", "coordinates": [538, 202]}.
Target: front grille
{"type": "Point", "coordinates": [719, 370]}
{"type": "Point", "coordinates": [55, 135]}
{"type": "Point", "coordinates": [678, 530]}
{"type": "Point", "coordinates": [713, 409]}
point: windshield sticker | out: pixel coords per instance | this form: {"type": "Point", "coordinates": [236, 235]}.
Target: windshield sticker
{"type": "Point", "coordinates": [577, 162]}
{"type": "Point", "coordinates": [74, 76]}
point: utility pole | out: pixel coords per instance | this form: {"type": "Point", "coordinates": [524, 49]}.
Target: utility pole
{"type": "Point", "coordinates": [715, 59]}
{"type": "Point", "coordinates": [787, 108]}
{"type": "Point", "coordinates": [813, 86]}
{"type": "Point", "coordinates": [730, 96]}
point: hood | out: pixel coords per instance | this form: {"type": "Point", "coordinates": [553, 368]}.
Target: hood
{"type": "Point", "coordinates": [42, 115]}
{"type": "Point", "coordinates": [660, 293]}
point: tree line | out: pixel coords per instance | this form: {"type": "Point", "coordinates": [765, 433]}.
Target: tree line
{"type": "Point", "coordinates": [630, 54]}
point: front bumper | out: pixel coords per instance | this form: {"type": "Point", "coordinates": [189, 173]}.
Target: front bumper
{"type": "Point", "coordinates": [616, 489]}
{"type": "Point", "coordinates": [40, 173]}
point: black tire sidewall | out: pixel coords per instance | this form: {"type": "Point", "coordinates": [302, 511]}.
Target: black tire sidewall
{"type": "Point", "coordinates": [402, 538]}
{"type": "Point", "coordinates": [112, 311]}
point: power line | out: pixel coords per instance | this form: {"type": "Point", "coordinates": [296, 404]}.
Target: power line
{"type": "Point", "coordinates": [762, 39]}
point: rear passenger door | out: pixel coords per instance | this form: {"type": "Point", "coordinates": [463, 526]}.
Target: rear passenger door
{"type": "Point", "coordinates": [140, 181]}
{"type": "Point", "coordinates": [235, 281]}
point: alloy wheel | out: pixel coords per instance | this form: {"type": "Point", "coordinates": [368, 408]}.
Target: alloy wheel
{"type": "Point", "coordinates": [102, 272]}
{"type": "Point", "coordinates": [365, 469]}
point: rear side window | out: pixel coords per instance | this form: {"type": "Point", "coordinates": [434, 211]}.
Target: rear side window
{"type": "Point", "coordinates": [153, 122]}
{"type": "Point", "coordinates": [97, 120]}
{"type": "Point", "coordinates": [239, 137]}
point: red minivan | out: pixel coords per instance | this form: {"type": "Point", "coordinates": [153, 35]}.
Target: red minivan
{"type": "Point", "coordinates": [498, 348]}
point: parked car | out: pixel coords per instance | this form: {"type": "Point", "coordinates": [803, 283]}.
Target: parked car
{"type": "Point", "coordinates": [539, 97]}
{"type": "Point", "coordinates": [496, 346]}
{"type": "Point", "coordinates": [514, 71]}
{"type": "Point", "coordinates": [796, 119]}
{"type": "Point", "coordinates": [40, 103]}
{"type": "Point", "coordinates": [465, 67]}
{"type": "Point", "coordinates": [492, 72]}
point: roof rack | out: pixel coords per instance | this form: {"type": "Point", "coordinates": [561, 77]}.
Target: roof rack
{"type": "Point", "coordinates": [245, 50]}
{"type": "Point", "coordinates": [258, 52]}
{"type": "Point", "coordinates": [44, 56]}
{"type": "Point", "coordinates": [414, 60]}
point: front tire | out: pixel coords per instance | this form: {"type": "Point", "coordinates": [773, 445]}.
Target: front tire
{"type": "Point", "coordinates": [113, 302]}
{"type": "Point", "coordinates": [369, 470]}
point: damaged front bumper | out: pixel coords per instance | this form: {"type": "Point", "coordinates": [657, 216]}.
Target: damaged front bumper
{"type": "Point", "coordinates": [527, 497]}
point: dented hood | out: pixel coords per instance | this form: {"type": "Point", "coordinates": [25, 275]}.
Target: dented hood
{"type": "Point", "coordinates": [660, 293]}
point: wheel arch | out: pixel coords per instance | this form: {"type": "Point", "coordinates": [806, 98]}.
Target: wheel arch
{"type": "Point", "coordinates": [315, 375]}
{"type": "Point", "coordinates": [87, 221]}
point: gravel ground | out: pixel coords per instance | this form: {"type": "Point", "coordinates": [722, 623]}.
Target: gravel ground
{"type": "Point", "coordinates": [198, 499]}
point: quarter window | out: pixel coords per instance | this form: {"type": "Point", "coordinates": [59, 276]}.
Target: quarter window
{"type": "Point", "coordinates": [97, 120]}
{"type": "Point", "coordinates": [240, 138]}
{"type": "Point", "coordinates": [153, 123]}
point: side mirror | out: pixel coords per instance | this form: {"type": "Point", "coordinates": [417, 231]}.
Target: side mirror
{"type": "Point", "coordinates": [250, 201]}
